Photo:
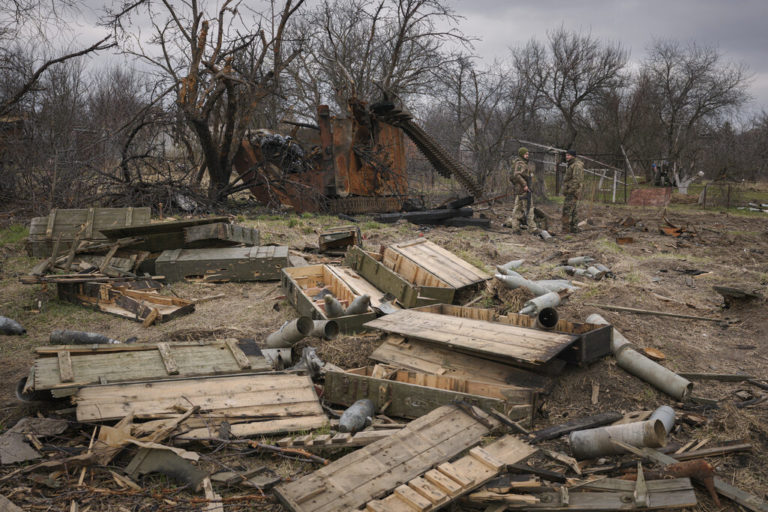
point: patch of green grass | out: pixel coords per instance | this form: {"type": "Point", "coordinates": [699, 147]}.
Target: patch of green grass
{"type": "Point", "coordinates": [240, 218]}
{"type": "Point", "coordinates": [634, 277]}
{"type": "Point", "coordinates": [293, 222]}
{"type": "Point", "coordinates": [609, 246]}
{"type": "Point", "coordinates": [269, 217]}
{"type": "Point", "coordinates": [307, 215]}
{"type": "Point", "coordinates": [307, 230]}
{"type": "Point", "coordinates": [591, 293]}
{"type": "Point", "coordinates": [13, 234]}
{"type": "Point", "coordinates": [371, 224]}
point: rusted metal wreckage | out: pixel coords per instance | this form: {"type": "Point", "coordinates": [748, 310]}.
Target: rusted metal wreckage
{"type": "Point", "coordinates": [353, 164]}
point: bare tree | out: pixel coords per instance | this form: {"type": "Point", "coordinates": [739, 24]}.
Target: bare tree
{"type": "Point", "coordinates": [571, 71]}
{"type": "Point", "coordinates": [219, 59]}
{"type": "Point", "coordinates": [356, 48]}
{"type": "Point", "coordinates": [33, 24]}
{"type": "Point", "coordinates": [692, 90]}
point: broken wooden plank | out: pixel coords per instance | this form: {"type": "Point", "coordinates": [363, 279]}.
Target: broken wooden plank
{"type": "Point", "coordinates": [338, 440]}
{"type": "Point", "coordinates": [65, 367]}
{"type": "Point", "coordinates": [468, 472]}
{"type": "Point", "coordinates": [649, 312]}
{"type": "Point", "coordinates": [519, 346]}
{"type": "Point", "coordinates": [439, 262]}
{"type": "Point", "coordinates": [168, 361]}
{"type": "Point", "coordinates": [355, 479]}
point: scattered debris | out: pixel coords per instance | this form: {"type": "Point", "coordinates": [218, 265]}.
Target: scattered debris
{"type": "Point", "coordinates": [66, 337]}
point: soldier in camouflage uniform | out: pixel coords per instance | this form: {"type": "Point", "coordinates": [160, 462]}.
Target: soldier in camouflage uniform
{"type": "Point", "coordinates": [522, 179]}
{"type": "Point", "coordinates": [572, 185]}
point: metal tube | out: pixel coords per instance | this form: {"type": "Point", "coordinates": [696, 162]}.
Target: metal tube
{"type": "Point", "coordinates": [544, 234]}
{"type": "Point", "coordinates": [326, 329]}
{"type": "Point", "coordinates": [511, 265]}
{"type": "Point", "coordinates": [597, 442]}
{"type": "Point", "coordinates": [666, 415]}
{"type": "Point", "coordinates": [547, 319]}
{"type": "Point", "coordinates": [580, 260]}
{"type": "Point", "coordinates": [555, 285]}
{"type": "Point", "coordinates": [11, 327]}
{"type": "Point", "coordinates": [356, 416]}
{"type": "Point", "coordinates": [533, 306]}
{"type": "Point", "coordinates": [521, 282]}
{"type": "Point", "coordinates": [506, 272]}
{"type": "Point", "coordinates": [290, 332]}
{"type": "Point", "coordinates": [65, 337]}
{"type": "Point", "coordinates": [640, 366]}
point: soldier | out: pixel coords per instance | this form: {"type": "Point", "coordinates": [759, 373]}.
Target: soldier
{"type": "Point", "coordinates": [522, 179]}
{"type": "Point", "coordinates": [572, 184]}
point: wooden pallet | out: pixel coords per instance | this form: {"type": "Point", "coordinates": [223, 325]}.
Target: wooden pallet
{"type": "Point", "coordinates": [252, 404]}
{"type": "Point", "coordinates": [71, 369]}
{"type": "Point", "coordinates": [519, 346]}
{"type": "Point", "coordinates": [355, 479]}
{"type": "Point", "coordinates": [448, 481]}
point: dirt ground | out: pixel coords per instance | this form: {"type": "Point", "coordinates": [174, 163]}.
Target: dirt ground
{"type": "Point", "coordinates": [653, 272]}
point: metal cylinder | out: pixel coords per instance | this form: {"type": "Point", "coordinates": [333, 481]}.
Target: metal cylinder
{"type": "Point", "coordinates": [510, 265]}
{"type": "Point", "coordinates": [640, 366]}
{"type": "Point", "coordinates": [580, 260]}
{"type": "Point", "coordinates": [11, 327]}
{"type": "Point", "coordinates": [521, 282]}
{"type": "Point", "coordinates": [356, 416]}
{"type": "Point", "coordinates": [595, 273]}
{"type": "Point", "coordinates": [666, 415]}
{"type": "Point", "coordinates": [507, 272]}
{"type": "Point", "coordinates": [333, 307]}
{"type": "Point", "coordinates": [547, 319]}
{"type": "Point", "coordinates": [65, 337]}
{"type": "Point", "coordinates": [358, 306]}
{"type": "Point", "coordinates": [544, 234]}
{"type": "Point", "coordinates": [290, 332]}
{"type": "Point", "coordinates": [596, 442]}
{"type": "Point", "coordinates": [30, 395]}
{"type": "Point", "coordinates": [326, 329]}
{"type": "Point", "coordinates": [555, 285]}
{"type": "Point", "coordinates": [602, 268]}
{"type": "Point", "coordinates": [533, 306]}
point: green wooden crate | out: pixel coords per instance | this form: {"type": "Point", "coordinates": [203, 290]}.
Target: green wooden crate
{"type": "Point", "coordinates": [387, 280]}
{"type": "Point", "coordinates": [89, 222]}
{"type": "Point", "coordinates": [223, 264]}
{"type": "Point", "coordinates": [302, 284]}
{"type": "Point", "coordinates": [407, 400]}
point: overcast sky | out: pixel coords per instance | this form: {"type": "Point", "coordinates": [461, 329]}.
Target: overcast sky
{"type": "Point", "coordinates": [739, 28]}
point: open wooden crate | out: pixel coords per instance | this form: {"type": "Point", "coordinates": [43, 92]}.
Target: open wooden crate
{"type": "Point", "coordinates": [303, 284]}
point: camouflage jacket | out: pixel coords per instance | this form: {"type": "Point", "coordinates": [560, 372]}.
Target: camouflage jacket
{"type": "Point", "coordinates": [522, 175]}
{"type": "Point", "coordinates": [574, 177]}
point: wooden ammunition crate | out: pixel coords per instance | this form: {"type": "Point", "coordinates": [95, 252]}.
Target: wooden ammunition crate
{"type": "Point", "coordinates": [593, 342]}
{"type": "Point", "coordinates": [223, 264]}
{"type": "Point", "coordinates": [303, 284]}
{"type": "Point", "coordinates": [412, 395]}
{"type": "Point", "coordinates": [220, 234]}
{"type": "Point", "coordinates": [44, 231]}
{"type": "Point", "coordinates": [429, 290]}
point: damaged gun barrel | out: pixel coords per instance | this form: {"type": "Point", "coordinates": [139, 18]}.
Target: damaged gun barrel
{"type": "Point", "coordinates": [66, 337]}
{"type": "Point", "coordinates": [533, 306]}
{"type": "Point", "coordinates": [290, 332]}
{"type": "Point", "coordinates": [326, 329]}
{"type": "Point", "coordinates": [597, 442]}
{"type": "Point", "coordinates": [640, 366]}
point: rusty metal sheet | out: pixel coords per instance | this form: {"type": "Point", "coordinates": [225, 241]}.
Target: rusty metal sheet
{"type": "Point", "coordinates": [650, 196]}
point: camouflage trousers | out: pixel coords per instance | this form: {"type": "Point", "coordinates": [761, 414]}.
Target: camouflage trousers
{"type": "Point", "coordinates": [570, 218]}
{"type": "Point", "coordinates": [521, 212]}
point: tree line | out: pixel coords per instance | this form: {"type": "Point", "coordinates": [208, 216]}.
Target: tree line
{"type": "Point", "coordinates": [168, 120]}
